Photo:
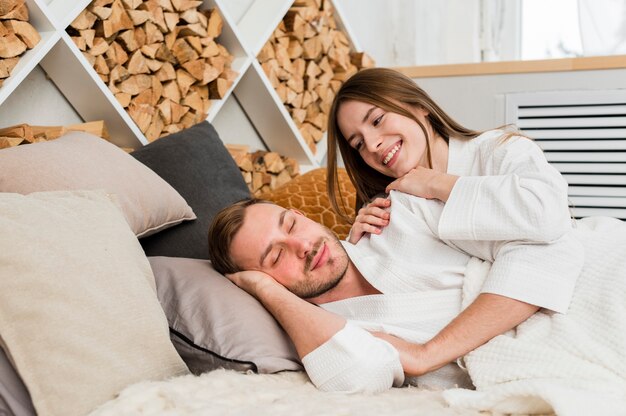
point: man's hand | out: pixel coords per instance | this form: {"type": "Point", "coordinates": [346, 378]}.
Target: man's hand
{"type": "Point", "coordinates": [425, 183]}
{"type": "Point", "coordinates": [413, 357]}
{"type": "Point", "coordinates": [252, 281]}
{"type": "Point", "coordinates": [307, 325]}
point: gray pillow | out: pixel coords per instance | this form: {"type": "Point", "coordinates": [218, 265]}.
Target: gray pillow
{"type": "Point", "coordinates": [14, 398]}
{"type": "Point", "coordinates": [195, 163]}
{"type": "Point", "coordinates": [214, 324]}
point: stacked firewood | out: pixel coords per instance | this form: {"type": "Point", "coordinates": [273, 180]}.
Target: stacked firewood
{"type": "Point", "coordinates": [306, 60]}
{"type": "Point", "coordinates": [16, 35]}
{"type": "Point", "coordinates": [263, 171]}
{"type": "Point", "coordinates": [25, 133]}
{"type": "Point", "coordinates": [159, 57]}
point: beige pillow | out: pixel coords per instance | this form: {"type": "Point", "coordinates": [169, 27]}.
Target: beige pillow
{"type": "Point", "coordinates": [79, 316]}
{"type": "Point", "coordinates": [81, 160]}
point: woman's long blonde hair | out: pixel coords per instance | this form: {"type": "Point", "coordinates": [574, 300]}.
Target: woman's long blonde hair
{"type": "Point", "coordinates": [386, 89]}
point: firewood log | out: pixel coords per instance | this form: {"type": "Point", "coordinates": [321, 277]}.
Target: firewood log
{"type": "Point", "coordinates": [17, 13]}
{"type": "Point", "coordinates": [160, 58]}
{"type": "Point", "coordinates": [7, 5]}
{"type": "Point", "coordinates": [24, 31]}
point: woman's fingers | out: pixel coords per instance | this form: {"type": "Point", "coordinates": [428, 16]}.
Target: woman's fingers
{"type": "Point", "coordinates": [380, 219]}
{"type": "Point", "coordinates": [380, 202]}
{"type": "Point", "coordinates": [361, 228]}
{"type": "Point", "coordinates": [370, 219]}
{"type": "Point", "coordinates": [354, 236]}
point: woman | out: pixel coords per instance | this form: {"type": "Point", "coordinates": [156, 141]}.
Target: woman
{"type": "Point", "coordinates": [497, 190]}
{"type": "Point", "coordinates": [392, 135]}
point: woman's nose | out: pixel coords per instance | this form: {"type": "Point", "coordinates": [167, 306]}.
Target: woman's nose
{"type": "Point", "coordinates": [372, 143]}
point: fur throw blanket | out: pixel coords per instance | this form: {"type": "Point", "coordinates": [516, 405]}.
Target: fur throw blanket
{"type": "Point", "coordinates": [223, 392]}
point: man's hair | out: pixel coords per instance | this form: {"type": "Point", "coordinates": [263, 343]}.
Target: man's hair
{"type": "Point", "coordinates": [222, 231]}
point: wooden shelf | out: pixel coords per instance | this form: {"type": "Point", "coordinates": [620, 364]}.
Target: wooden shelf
{"type": "Point", "coordinates": [516, 67]}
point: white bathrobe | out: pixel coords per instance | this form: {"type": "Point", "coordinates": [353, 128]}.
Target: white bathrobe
{"type": "Point", "coordinates": [508, 208]}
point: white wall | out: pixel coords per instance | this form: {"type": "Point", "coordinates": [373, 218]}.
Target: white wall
{"type": "Point", "coordinates": [478, 101]}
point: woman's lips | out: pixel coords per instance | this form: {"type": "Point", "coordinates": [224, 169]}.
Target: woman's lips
{"type": "Point", "coordinates": [398, 148]}
{"type": "Point", "coordinates": [321, 257]}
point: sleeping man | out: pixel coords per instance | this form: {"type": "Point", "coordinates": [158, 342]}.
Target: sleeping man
{"type": "Point", "coordinates": [408, 305]}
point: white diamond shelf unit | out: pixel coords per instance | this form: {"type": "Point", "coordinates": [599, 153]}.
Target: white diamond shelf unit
{"type": "Point", "coordinates": [66, 66]}
{"type": "Point", "coordinates": [78, 81]}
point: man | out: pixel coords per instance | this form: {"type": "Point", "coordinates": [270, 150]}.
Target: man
{"type": "Point", "coordinates": [391, 305]}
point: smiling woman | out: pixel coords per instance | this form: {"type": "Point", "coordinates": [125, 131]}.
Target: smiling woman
{"type": "Point", "coordinates": [376, 111]}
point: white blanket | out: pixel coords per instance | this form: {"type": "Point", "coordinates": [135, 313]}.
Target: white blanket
{"type": "Point", "coordinates": [572, 364]}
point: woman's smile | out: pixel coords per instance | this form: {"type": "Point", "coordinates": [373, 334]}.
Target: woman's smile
{"type": "Point", "coordinates": [392, 154]}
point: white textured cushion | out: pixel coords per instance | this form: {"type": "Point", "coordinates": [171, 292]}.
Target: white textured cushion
{"type": "Point", "coordinates": [79, 316]}
{"type": "Point", "coordinates": [80, 161]}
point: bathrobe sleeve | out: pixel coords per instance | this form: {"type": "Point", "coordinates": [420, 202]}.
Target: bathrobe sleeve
{"type": "Point", "coordinates": [540, 273]}
{"type": "Point", "coordinates": [354, 360]}
{"type": "Point", "coordinates": [510, 193]}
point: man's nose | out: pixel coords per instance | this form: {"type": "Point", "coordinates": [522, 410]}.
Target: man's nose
{"type": "Point", "coordinates": [301, 246]}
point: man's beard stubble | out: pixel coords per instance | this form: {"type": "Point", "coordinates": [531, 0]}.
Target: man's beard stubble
{"type": "Point", "coordinates": [308, 289]}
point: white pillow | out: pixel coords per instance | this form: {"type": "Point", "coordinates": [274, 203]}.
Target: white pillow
{"type": "Point", "coordinates": [79, 316]}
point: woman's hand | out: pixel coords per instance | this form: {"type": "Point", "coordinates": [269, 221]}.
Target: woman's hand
{"type": "Point", "coordinates": [412, 356]}
{"type": "Point", "coordinates": [425, 183]}
{"type": "Point", "coordinates": [370, 219]}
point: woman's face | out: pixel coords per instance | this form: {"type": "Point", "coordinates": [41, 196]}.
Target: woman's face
{"type": "Point", "coordinates": [388, 142]}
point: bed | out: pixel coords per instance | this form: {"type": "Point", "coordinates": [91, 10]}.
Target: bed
{"type": "Point", "coordinates": [109, 306]}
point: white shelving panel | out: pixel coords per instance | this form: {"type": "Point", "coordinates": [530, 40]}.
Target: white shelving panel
{"type": "Point", "coordinates": [257, 96]}
{"type": "Point", "coordinates": [260, 101]}
{"type": "Point", "coordinates": [79, 83]}
{"type": "Point", "coordinates": [258, 23]}
{"type": "Point", "coordinates": [230, 38]}
{"type": "Point", "coordinates": [90, 97]}
{"type": "Point", "coordinates": [39, 18]}
{"type": "Point", "coordinates": [65, 11]}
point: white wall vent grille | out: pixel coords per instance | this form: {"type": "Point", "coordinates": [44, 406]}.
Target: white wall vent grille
{"type": "Point", "coordinates": [583, 134]}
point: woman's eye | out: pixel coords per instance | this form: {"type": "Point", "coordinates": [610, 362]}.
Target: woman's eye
{"type": "Point", "coordinates": [377, 120]}
{"type": "Point", "coordinates": [293, 224]}
{"type": "Point", "coordinates": [358, 145]}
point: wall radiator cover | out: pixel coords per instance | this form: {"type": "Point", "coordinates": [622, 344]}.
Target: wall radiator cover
{"type": "Point", "coordinates": [583, 134]}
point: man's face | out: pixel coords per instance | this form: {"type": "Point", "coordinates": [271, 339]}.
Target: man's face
{"type": "Point", "coordinates": [297, 252]}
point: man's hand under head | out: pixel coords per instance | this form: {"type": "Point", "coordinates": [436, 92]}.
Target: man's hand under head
{"type": "Point", "coordinates": [253, 281]}
{"type": "Point", "coordinates": [307, 325]}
